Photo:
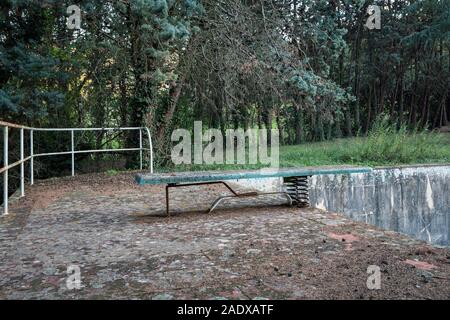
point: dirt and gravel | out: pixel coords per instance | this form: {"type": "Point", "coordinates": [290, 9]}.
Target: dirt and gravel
{"type": "Point", "coordinates": [115, 232]}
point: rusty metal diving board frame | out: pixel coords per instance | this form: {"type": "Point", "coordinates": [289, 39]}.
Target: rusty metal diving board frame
{"type": "Point", "coordinates": [295, 181]}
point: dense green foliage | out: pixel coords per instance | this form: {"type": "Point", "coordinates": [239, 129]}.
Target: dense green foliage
{"type": "Point", "coordinates": [308, 67]}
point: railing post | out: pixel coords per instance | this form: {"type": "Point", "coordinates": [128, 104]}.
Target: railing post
{"type": "Point", "coordinates": [32, 158]}
{"type": "Point", "coordinates": [22, 165]}
{"type": "Point", "coordinates": [73, 152]}
{"type": "Point", "coordinates": [151, 148]}
{"type": "Point", "coordinates": [5, 173]}
{"type": "Point", "coordinates": [140, 146]}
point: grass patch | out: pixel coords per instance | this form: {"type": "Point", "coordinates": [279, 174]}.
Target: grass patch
{"type": "Point", "coordinates": [112, 172]}
{"type": "Point", "coordinates": [385, 145]}
{"type": "Point", "coordinates": [369, 152]}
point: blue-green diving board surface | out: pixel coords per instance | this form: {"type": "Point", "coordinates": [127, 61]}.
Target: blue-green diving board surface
{"type": "Point", "coordinates": [210, 176]}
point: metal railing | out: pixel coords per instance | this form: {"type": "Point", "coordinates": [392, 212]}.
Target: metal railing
{"type": "Point", "coordinates": [7, 166]}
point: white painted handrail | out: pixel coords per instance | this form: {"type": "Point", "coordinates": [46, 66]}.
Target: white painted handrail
{"type": "Point", "coordinates": [7, 166]}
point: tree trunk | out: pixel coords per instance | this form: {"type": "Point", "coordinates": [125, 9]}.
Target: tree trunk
{"type": "Point", "coordinates": [175, 93]}
{"type": "Point", "coordinates": [298, 124]}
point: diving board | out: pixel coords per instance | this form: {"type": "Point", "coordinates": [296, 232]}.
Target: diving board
{"type": "Point", "coordinates": [295, 181]}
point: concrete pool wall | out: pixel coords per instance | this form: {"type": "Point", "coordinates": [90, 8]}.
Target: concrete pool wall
{"type": "Point", "coordinates": [413, 200]}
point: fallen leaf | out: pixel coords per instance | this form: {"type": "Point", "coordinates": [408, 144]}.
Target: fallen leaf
{"type": "Point", "coordinates": [420, 265]}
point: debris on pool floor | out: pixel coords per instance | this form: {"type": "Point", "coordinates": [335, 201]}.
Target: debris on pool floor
{"type": "Point", "coordinates": [114, 233]}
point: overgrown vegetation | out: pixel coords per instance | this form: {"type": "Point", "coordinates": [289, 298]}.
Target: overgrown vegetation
{"type": "Point", "coordinates": [387, 144]}
{"type": "Point", "coordinates": [421, 148]}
